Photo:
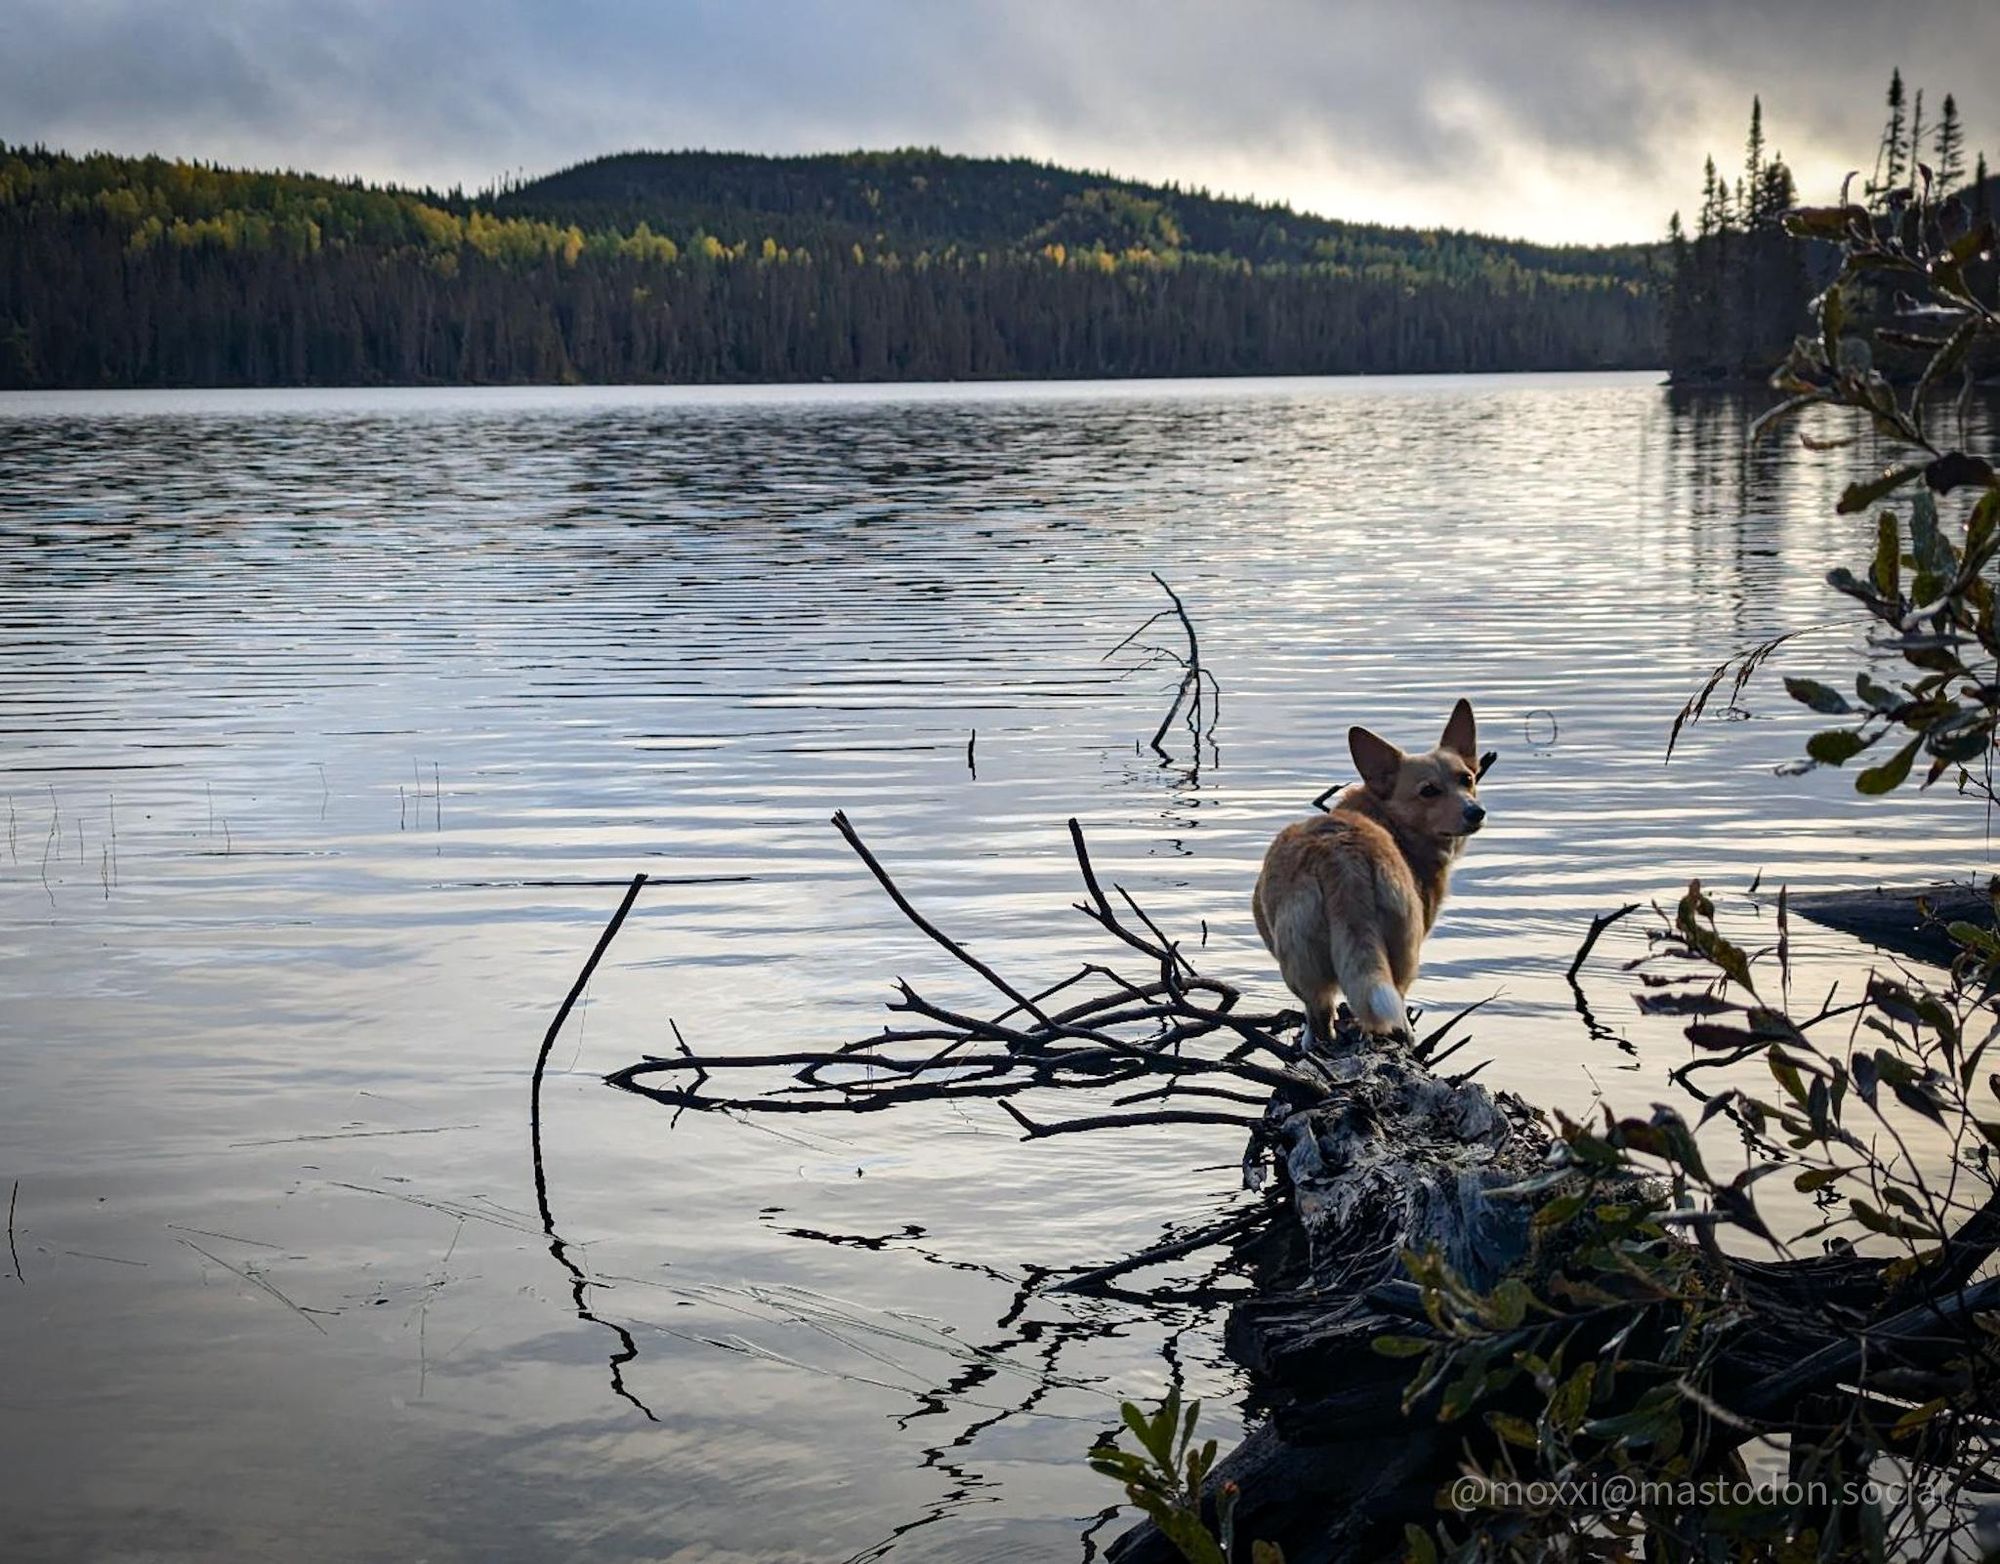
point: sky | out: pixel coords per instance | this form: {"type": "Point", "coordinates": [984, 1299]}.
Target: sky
{"type": "Point", "coordinates": [1557, 120]}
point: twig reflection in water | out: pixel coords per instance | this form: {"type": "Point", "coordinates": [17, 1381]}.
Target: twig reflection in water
{"type": "Point", "coordinates": [579, 1281]}
{"type": "Point", "coordinates": [1023, 1328]}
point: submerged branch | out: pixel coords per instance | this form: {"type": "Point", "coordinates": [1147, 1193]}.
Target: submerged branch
{"type": "Point", "coordinates": [1195, 679]}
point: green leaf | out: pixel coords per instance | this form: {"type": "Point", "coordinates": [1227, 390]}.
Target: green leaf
{"type": "Point", "coordinates": [1949, 356]}
{"type": "Point", "coordinates": [1970, 243]}
{"type": "Point", "coordinates": [1920, 1098]}
{"type": "Point", "coordinates": [1509, 1302]}
{"type": "Point", "coordinates": [1642, 1426]}
{"type": "Point", "coordinates": [1835, 745]}
{"type": "Point", "coordinates": [1879, 696]}
{"type": "Point", "coordinates": [1788, 1077]}
{"type": "Point", "coordinates": [1401, 1346]}
{"type": "Point", "coordinates": [1821, 697]}
{"type": "Point", "coordinates": [1557, 1211]}
{"type": "Point", "coordinates": [1825, 222]}
{"type": "Point", "coordinates": [1572, 1398]}
{"type": "Point", "coordinates": [1417, 1546]}
{"type": "Point", "coordinates": [1881, 1222]}
{"type": "Point", "coordinates": [1956, 470]}
{"type": "Point", "coordinates": [1955, 745]}
{"type": "Point", "coordinates": [1187, 1533]}
{"type": "Point", "coordinates": [1859, 496]}
{"type": "Point", "coordinates": [1886, 572]}
{"type": "Point", "coordinates": [1515, 1430]}
{"type": "Point", "coordinates": [1157, 1439]}
{"type": "Point", "coordinates": [1929, 547]}
{"type": "Point", "coordinates": [1890, 775]}
{"type": "Point", "coordinates": [1973, 937]}
{"type": "Point", "coordinates": [1841, 579]}
{"type": "Point", "coordinates": [1916, 1417]}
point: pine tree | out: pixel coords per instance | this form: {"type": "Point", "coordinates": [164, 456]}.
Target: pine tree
{"type": "Point", "coordinates": [1915, 159]}
{"type": "Point", "coordinates": [1950, 148]}
{"type": "Point", "coordinates": [1753, 162]}
{"type": "Point", "coordinates": [1680, 319]}
{"type": "Point", "coordinates": [1982, 199]}
{"type": "Point", "coordinates": [1781, 191]}
{"type": "Point", "coordinates": [1889, 156]}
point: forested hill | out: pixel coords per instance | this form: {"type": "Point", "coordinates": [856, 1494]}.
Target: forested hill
{"type": "Point", "coordinates": [698, 267]}
{"type": "Point", "coordinates": [920, 198]}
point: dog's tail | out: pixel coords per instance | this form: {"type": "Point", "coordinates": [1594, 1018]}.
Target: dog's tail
{"type": "Point", "coordinates": [1362, 966]}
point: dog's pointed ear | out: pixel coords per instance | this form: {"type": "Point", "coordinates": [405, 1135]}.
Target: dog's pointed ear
{"type": "Point", "coordinates": [1376, 759]}
{"type": "Point", "coordinates": [1460, 737]}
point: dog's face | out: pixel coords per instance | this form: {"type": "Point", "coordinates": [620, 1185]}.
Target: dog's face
{"type": "Point", "coordinates": [1436, 794]}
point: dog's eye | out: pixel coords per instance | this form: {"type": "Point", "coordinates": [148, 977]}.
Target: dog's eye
{"type": "Point", "coordinates": [1466, 779]}
{"type": "Point", "coordinates": [1430, 790]}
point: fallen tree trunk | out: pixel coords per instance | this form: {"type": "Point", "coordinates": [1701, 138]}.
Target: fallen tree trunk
{"type": "Point", "coordinates": [1911, 920]}
{"type": "Point", "coordinates": [1381, 1154]}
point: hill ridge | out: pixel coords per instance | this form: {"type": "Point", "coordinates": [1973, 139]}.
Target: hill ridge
{"type": "Point", "coordinates": [830, 188]}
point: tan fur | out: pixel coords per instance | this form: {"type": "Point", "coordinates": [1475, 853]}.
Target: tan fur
{"type": "Point", "coordinates": [1345, 898]}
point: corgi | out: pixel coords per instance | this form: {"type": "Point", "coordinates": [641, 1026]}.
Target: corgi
{"type": "Point", "coordinates": [1345, 898]}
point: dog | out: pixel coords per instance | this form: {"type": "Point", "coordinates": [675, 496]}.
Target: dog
{"type": "Point", "coordinates": [1345, 898]}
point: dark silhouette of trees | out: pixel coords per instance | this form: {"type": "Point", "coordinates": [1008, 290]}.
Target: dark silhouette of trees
{"type": "Point", "coordinates": [1732, 286]}
{"type": "Point", "coordinates": [1739, 289]}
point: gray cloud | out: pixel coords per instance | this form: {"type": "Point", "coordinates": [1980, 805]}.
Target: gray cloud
{"type": "Point", "coordinates": [1553, 118]}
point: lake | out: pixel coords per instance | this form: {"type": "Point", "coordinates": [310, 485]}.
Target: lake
{"type": "Point", "coordinates": [336, 723]}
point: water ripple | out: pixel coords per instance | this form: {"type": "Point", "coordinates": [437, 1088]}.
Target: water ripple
{"type": "Point", "coordinates": [333, 720]}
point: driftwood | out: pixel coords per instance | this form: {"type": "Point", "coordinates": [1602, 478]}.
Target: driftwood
{"type": "Point", "coordinates": [1167, 1036]}
{"type": "Point", "coordinates": [1194, 681]}
{"type": "Point", "coordinates": [1363, 1150]}
{"type": "Point", "coordinates": [1910, 920]}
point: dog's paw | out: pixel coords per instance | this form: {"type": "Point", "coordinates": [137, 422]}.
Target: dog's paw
{"type": "Point", "coordinates": [1380, 1012]}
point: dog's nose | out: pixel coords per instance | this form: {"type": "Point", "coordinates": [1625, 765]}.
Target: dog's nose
{"type": "Point", "coordinates": [1474, 813]}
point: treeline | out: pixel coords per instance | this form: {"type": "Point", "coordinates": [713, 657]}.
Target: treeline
{"type": "Point", "coordinates": [1739, 287]}
{"type": "Point", "coordinates": [150, 272]}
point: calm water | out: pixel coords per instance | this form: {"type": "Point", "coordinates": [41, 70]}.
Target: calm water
{"type": "Point", "coordinates": [335, 723]}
